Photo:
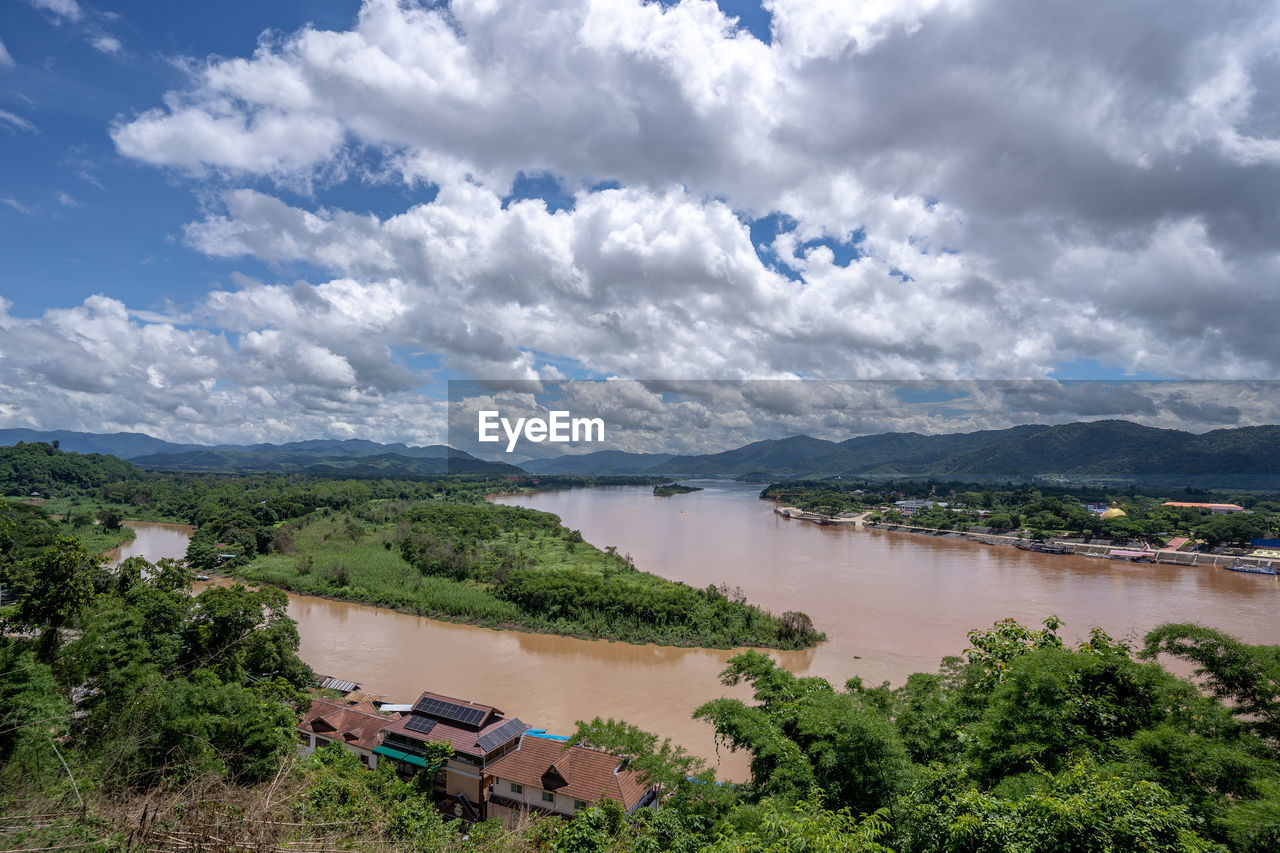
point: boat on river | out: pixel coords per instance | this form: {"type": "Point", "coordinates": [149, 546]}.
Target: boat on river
{"type": "Point", "coordinates": [1051, 548]}
{"type": "Point", "coordinates": [1268, 569]}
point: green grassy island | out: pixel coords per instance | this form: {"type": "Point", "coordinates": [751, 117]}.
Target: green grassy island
{"type": "Point", "coordinates": [507, 567]}
{"type": "Point", "coordinates": [669, 489]}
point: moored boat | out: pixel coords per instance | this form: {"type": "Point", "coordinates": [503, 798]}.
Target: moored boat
{"type": "Point", "coordinates": [1053, 548]}
{"type": "Point", "coordinates": [1268, 569]}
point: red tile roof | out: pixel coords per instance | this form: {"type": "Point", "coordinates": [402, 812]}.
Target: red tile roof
{"type": "Point", "coordinates": [338, 721]}
{"type": "Point", "coordinates": [588, 774]}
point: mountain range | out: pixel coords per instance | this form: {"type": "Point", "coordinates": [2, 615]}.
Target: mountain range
{"type": "Point", "coordinates": [1094, 450]}
{"type": "Point", "coordinates": [325, 457]}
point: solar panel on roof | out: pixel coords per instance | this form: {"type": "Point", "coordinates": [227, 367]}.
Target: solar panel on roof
{"type": "Point", "coordinates": [339, 685]}
{"type": "Point", "coordinates": [451, 711]}
{"type": "Point", "coordinates": [509, 730]}
{"type": "Point", "coordinates": [420, 725]}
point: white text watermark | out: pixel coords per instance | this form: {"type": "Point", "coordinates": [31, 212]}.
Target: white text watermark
{"type": "Point", "coordinates": [559, 427]}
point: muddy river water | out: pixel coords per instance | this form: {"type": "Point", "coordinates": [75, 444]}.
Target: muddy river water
{"type": "Point", "coordinates": [890, 603]}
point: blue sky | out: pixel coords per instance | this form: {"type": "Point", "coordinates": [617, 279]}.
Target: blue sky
{"type": "Point", "coordinates": [288, 220]}
{"type": "Point", "coordinates": [67, 176]}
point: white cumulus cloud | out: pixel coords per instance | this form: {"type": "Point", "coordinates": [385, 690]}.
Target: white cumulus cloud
{"type": "Point", "coordinates": [962, 188]}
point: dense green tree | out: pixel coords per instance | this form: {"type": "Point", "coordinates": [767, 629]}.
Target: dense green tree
{"type": "Point", "coordinates": [1245, 675]}
{"type": "Point", "coordinates": [1234, 528]}
{"type": "Point", "coordinates": [1080, 810]}
{"type": "Point", "coordinates": [993, 650]}
{"type": "Point", "coordinates": [111, 518]}
{"type": "Point", "coordinates": [33, 715]}
{"type": "Point", "coordinates": [806, 827]}
{"type": "Point", "coordinates": [802, 734]}
{"type": "Point", "coordinates": [341, 792]}
{"type": "Point", "coordinates": [1053, 703]}
{"type": "Point", "coordinates": [62, 587]}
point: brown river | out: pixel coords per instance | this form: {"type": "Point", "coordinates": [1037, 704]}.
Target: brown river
{"type": "Point", "coordinates": [890, 603]}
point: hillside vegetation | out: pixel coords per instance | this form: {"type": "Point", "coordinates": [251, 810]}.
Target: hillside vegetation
{"type": "Point", "coordinates": [43, 468]}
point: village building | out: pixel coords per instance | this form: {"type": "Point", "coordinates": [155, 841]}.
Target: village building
{"type": "Point", "coordinates": [1216, 509]}
{"type": "Point", "coordinates": [911, 507]}
{"type": "Point", "coordinates": [357, 727]}
{"type": "Point", "coordinates": [549, 777]}
{"type": "Point", "coordinates": [479, 735]}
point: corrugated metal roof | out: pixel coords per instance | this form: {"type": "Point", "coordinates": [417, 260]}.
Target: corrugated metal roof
{"type": "Point", "coordinates": [339, 685]}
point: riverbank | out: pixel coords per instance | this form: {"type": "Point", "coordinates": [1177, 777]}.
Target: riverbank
{"type": "Point", "coordinates": [817, 517]}
{"type": "Point", "coordinates": [1081, 549]}
{"type": "Point", "coordinates": [1061, 545]}
{"type": "Point", "coordinates": [99, 540]}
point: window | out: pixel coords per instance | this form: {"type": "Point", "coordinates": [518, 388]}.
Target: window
{"type": "Point", "coordinates": [579, 805]}
{"type": "Point", "coordinates": [517, 789]}
{"type": "Point", "coordinates": [548, 797]}
{"type": "Point", "coordinates": [304, 738]}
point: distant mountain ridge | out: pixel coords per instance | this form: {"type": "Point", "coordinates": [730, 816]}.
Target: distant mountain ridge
{"type": "Point", "coordinates": [327, 457]}
{"type": "Point", "coordinates": [1084, 450]}
{"type": "Point", "coordinates": [1119, 450]}
{"type": "Point", "coordinates": [125, 445]}
{"type": "Point", "coordinates": [612, 462]}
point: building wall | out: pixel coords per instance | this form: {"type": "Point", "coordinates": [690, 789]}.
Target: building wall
{"type": "Point", "coordinates": [309, 743]}
{"type": "Point", "coordinates": [533, 797]}
{"type": "Point", "coordinates": [464, 779]}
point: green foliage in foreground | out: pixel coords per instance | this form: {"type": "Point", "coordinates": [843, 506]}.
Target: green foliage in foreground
{"type": "Point", "coordinates": [506, 566]}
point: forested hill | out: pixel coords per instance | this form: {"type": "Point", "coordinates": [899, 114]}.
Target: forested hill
{"type": "Point", "coordinates": [326, 463]}
{"type": "Point", "coordinates": [1117, 450]}
{"type": "Point", "coordinates": [1243, 457]}
{"type": "Point", "coordinates": [1096, 449]}
{"type": "Point", "coordinates": [319, 457]}
{"type": "Point", "coordinates": [43, 468]}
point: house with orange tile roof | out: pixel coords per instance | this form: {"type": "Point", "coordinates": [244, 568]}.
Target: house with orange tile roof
{"type": "Point", "coordinates": [479, 735]}
{"type": "Point", "coordinates": [548, 776]}
{"type": "Point", "coordinates": [1216, 509]}
{"type": "Point", "coordinates": [357, 727]}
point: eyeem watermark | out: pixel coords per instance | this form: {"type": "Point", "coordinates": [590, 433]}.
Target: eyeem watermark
{"type": "Point", "coordinates": [559, 427]}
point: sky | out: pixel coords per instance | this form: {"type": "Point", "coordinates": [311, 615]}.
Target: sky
{"type": "Point", "coordinates": [253, 221]}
